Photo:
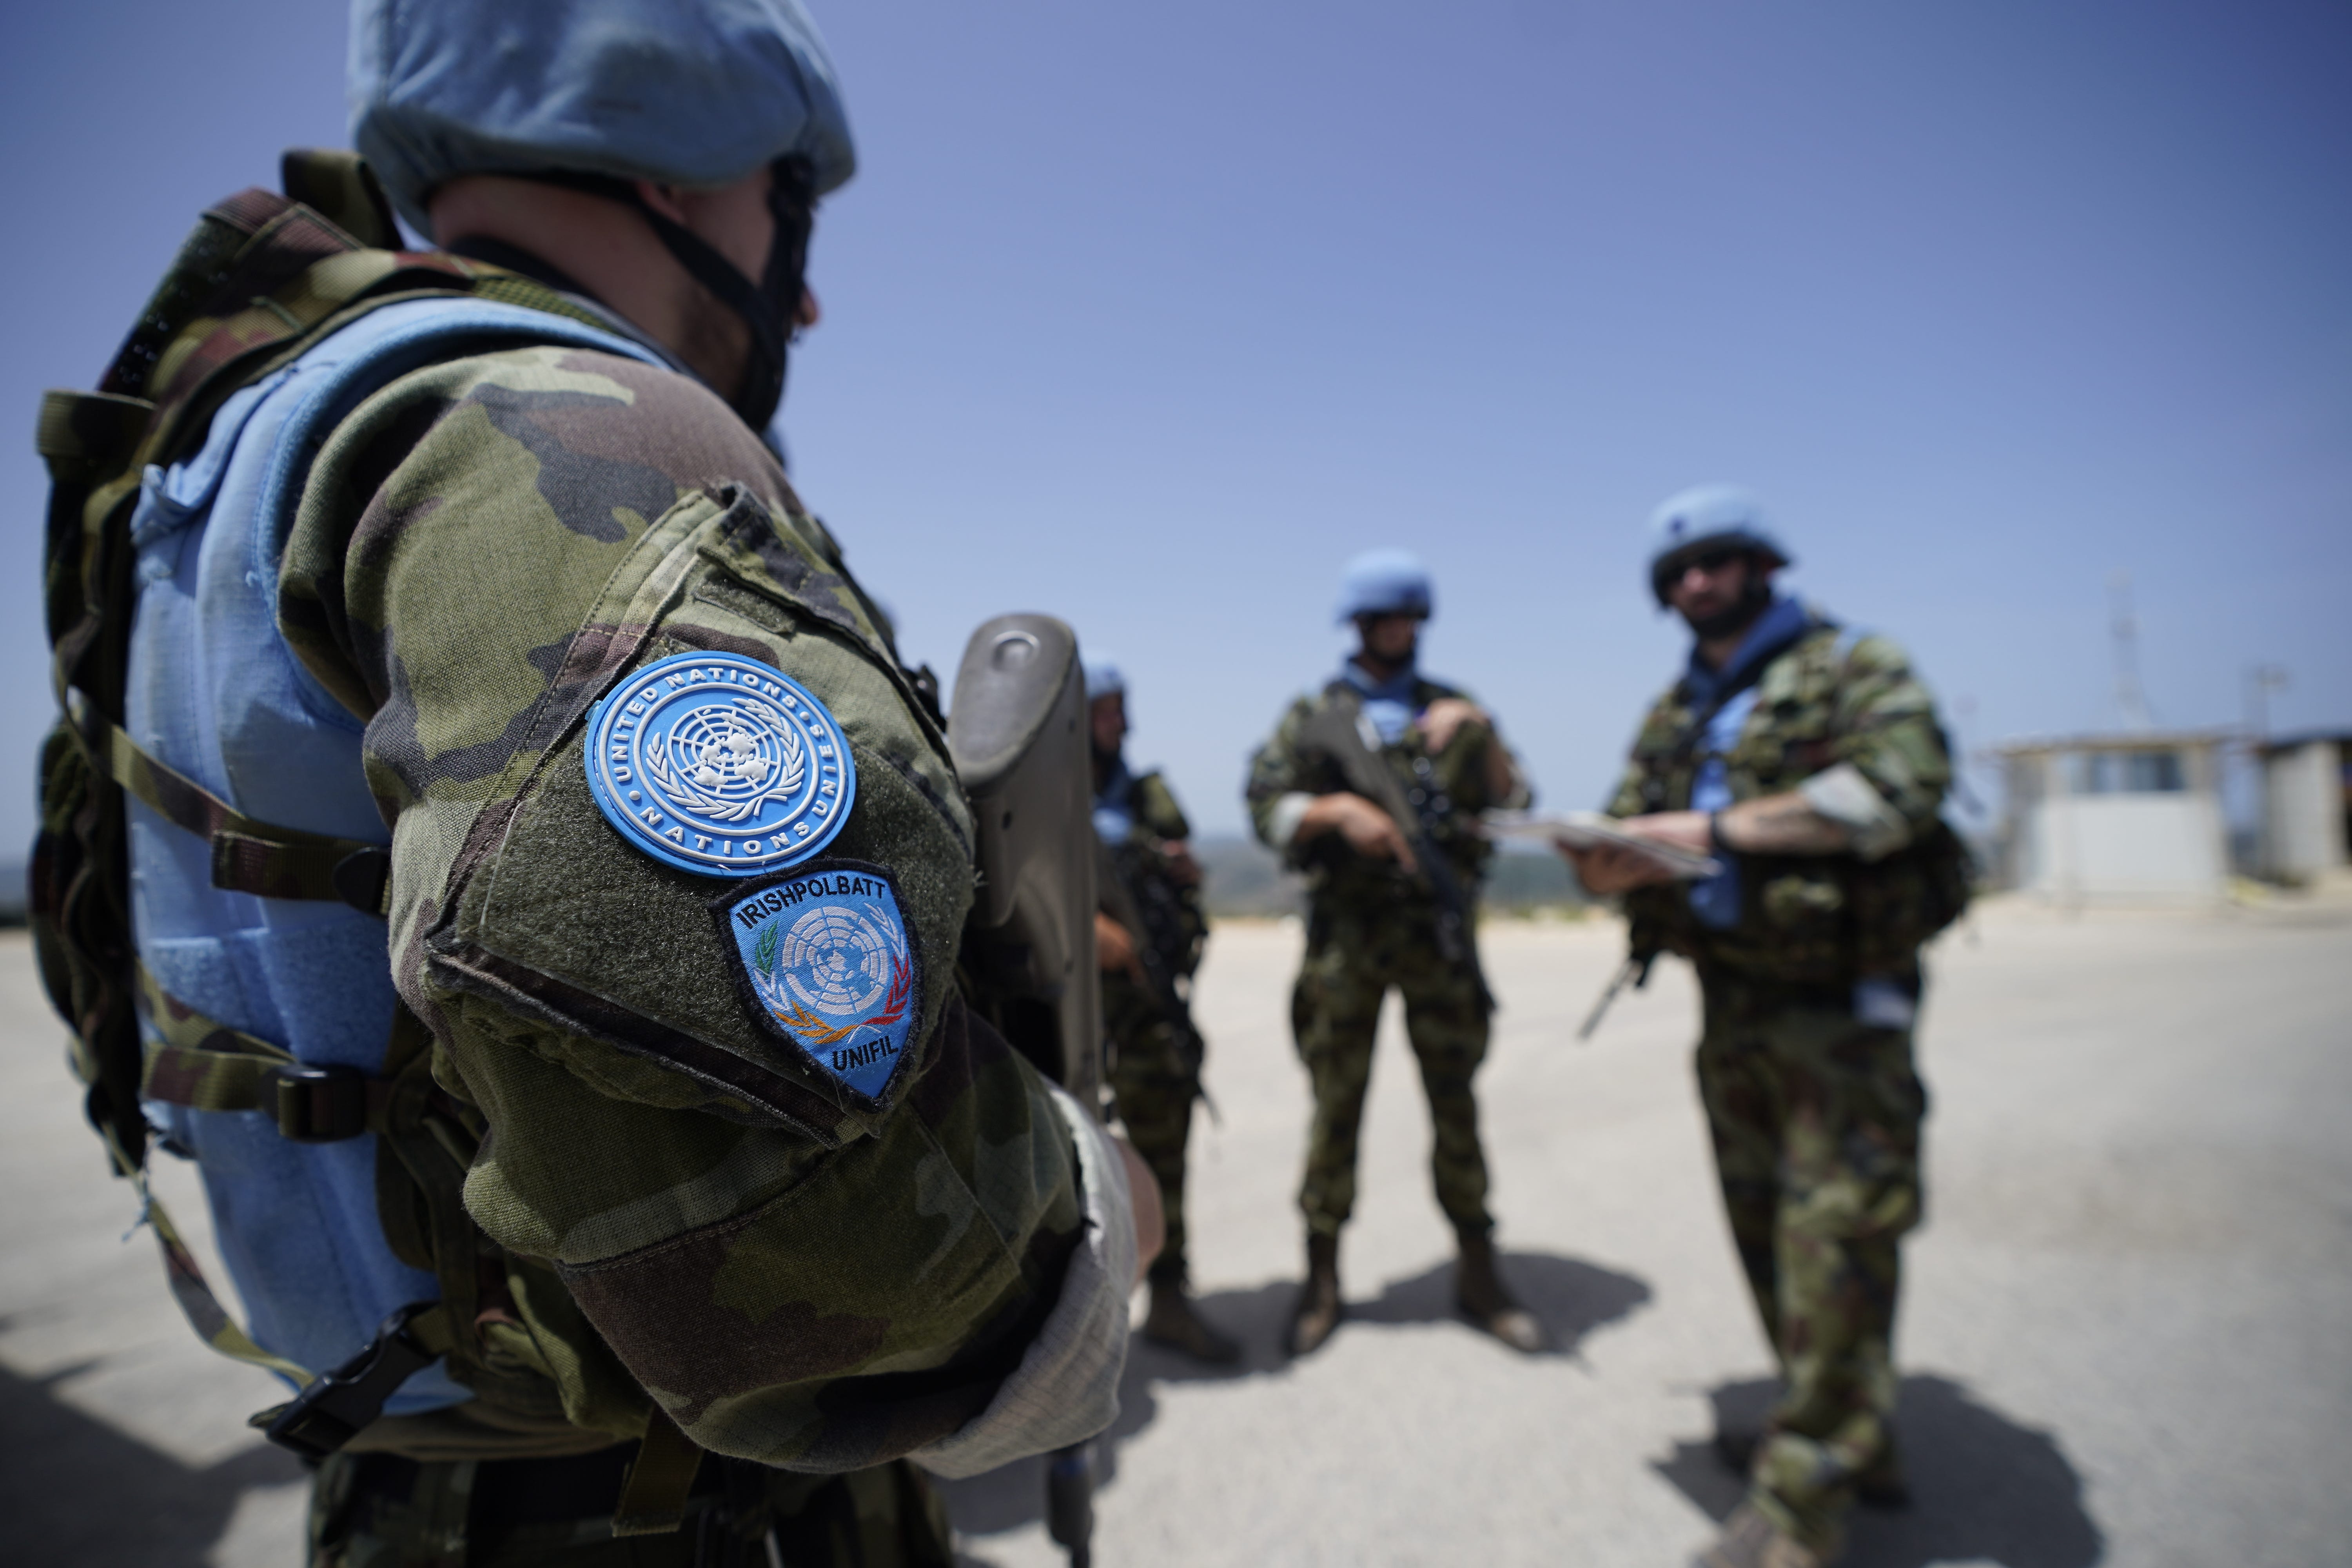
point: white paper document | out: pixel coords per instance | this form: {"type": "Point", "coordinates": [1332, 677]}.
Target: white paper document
{"type": "Point", "coordinates": [1590, 830]}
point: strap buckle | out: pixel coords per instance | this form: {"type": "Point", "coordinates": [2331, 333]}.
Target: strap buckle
{"type": "Point", "coordinates": [361, 878]}
{"type": "Point", "coordinates": [331, 1411]}
{"type": "Point", "coordinates": [321, 1103]}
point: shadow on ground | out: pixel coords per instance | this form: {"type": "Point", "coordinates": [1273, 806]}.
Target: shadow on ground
{"type": "Point", "coordinates": [1570, 1297]}
{"type": "Point", "coordinates": [1984, 1489]}
{"type": "Point", "coordinates": [73, 1490]}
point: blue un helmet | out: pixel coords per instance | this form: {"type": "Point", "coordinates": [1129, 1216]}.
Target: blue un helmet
{"type": "Point", "coordinates": [599, 94]}
{"type": "Point", "coordinates": [1385, 583]}
{"type": "Point", "coordinates": [1716, 516]}
{"type": "Point", "coordinates": [1103, 678]}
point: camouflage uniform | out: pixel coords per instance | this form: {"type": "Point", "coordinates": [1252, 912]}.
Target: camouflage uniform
{"type": "Point", "coordinates": [1155, 1077]}
{"type": "Point", "coordinates": [380, 1510]}
{"type": "Point", "coordinates": [675, 1223]}
{"type": "Point", "coordinates": [1811, 1097]}
{"type": "Point", "coordinates": [1371, 926]}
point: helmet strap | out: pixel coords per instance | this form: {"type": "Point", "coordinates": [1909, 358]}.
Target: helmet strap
{"type": "Point", "coordinates": [768, 307]}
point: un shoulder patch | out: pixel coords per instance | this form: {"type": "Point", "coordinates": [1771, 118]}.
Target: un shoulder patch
{"type": "Point", "coordinates": [823, 960]}
{"type": "Point", "coordinates": [719, 764]}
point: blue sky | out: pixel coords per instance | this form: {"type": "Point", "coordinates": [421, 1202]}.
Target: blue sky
{"type": "Point", "coordinates": [1148, 316]}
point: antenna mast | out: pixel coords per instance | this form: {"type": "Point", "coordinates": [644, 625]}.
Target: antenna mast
{"type": "Point", "coordinates": [2123, 626]}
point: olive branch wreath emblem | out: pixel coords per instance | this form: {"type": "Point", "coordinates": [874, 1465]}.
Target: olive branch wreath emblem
{"type": "Point", "coordinates": [684, 794]}
{"type": "Point", "coordinates": [770, 983]}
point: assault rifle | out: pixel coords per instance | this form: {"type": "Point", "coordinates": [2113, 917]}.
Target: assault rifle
{"type": "Point", "coordinates": [1339, 729]}
{"type": "Point", "coordinates": [1138, 896]}
{"type": "Point", "coordinates": [1017, 731]}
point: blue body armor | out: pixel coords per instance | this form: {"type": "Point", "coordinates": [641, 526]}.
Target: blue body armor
{"type": "Point", "coordinates": [214, 692]}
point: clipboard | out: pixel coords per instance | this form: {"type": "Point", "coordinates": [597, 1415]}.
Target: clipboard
{"type": "Point", "coordinates": [1592, 830]}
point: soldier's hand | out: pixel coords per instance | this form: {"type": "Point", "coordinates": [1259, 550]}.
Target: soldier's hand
{"type": "Point", "coordinates": [1176, 855]}
{"type": "Point", "coordinates": [1607, 869]}
{"type": "Point", "coordinates": [1686, 830]}
{"type": "Point", "coordinates": [1151, 1216]}
{"type": "Point", "coordinates": [1442, 719]}
{"type": "Point", "coordinates": [1370, 831]}
{"type": "Point", "coordinates": [1114, 949]}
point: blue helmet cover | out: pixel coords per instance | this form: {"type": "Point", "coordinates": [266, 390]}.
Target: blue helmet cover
{"type": "Point", "coordinates": [699, 93]}
{"type": "Point", "coordinates": [1385, 583]}
{"type": "Point", "coordinates": [1713, 514]}
{"type": "Point", "coordinates": [1103, 678]}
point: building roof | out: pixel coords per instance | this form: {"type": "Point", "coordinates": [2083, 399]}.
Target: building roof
{"type": "Point", "coordinates": [2296, 740]}
{"type": "Point", "coordinates": [2115, 740]}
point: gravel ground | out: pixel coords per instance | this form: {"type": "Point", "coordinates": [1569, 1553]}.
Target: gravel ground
{"type": "Point", "coordinates": [2124, 1333]}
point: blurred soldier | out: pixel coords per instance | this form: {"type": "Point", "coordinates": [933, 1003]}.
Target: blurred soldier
{"type": "Point", "coordinates": [1373, 787]}
{"type": "Point", "coordinates": [1155, 1065]}
{"type": "Point", "coordinates": [544, 881]}
{"type": "Point", "coordinates": [1807, 758]}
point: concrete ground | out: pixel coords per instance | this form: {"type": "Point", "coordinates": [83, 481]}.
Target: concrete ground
{"type": "Point", "coordinates": [2126, 1333]}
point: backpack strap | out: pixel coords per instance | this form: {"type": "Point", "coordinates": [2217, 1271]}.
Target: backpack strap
{"type": "Point", "coordinates": [342, 189]}
{"type": "Point", "coordinates": [248, 856]}
{"type": "Point", "coordinates": [207, 1066]}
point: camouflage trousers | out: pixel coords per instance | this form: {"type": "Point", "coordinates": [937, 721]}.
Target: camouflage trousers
{"type": "Point", "coordinates": [1155, 1086]}
{"type": "Point", "coordinates": [379, 1510]}
{"type": "Point", "coordinates": [1815, 1119]}
{"type": "Point", "coordinates": [1353, 955]}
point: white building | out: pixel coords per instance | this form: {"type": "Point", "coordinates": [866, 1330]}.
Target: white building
{"type": "Point", "coordinates": [2121, 818]}
{"type": "Point", "coordinates": [2306, 804]}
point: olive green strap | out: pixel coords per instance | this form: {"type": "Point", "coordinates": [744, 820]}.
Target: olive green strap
{"type": "Point", "coordinates": [198, 1304]}
{"type": "Point", "coordinates": [205, 1065]}
{"type": "Point", "coordinates": [197, 1062]}
{"type": "Point", "coordinates": [248, 856]}
{"type": "Point", "coordinates": [97, 429]}
{"type": "Point", "coordinates": [661, 1479]}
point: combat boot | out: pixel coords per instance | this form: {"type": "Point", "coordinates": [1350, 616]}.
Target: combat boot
{"type": "Point", "coordinates": [1318, 1309]}
{"type": "Point", "coordinates": [1882, 1486]}
{"type": "Point", "coordinates": [1485, 1301]}
{"type": "Point", "coordinates": [1750, 1540]}
{"type": "Point", "coordinates": [1173, 1322]}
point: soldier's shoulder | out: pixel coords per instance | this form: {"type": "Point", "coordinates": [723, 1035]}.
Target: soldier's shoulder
{"type": "Point", "coordinates": [593, 420]}
{"type": "Point", "coordinates": [1301, 706]}
{"type": "Point", "coordinates": [1849, 651]}
{"type": "Point", "coordinates": [1874, 652]}
{"type": "Point", "coordinates": [1673, 695]}
{"type": "Point", "coordinates": [1427, 689]}
{"type": "Point", "coordinates": [1156, 806]}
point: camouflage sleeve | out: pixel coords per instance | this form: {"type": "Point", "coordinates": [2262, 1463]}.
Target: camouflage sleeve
{"type": "Point", "coordinates": [486, 548]}
{"type": "Point", "coordinates": [1651, 738]}
{"type": "Point", "coordinates": [1887, 732]}
{"type": "Point", "coordinates": [1279, 777]}
{"type": "Point", "coordinates": [1626, 799]}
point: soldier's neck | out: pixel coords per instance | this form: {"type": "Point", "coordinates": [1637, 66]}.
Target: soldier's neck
{"type": "Point", "coordinates": [1715, 652]}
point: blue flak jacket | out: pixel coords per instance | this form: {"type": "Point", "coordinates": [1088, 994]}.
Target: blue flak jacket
{"type": "Point", "coordinates": [214, 692]}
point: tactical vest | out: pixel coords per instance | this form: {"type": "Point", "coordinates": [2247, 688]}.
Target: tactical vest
{"type": "Point", "coordinates": [1814, 920]}
{"type": "Point", "coordinates": [208, 882]}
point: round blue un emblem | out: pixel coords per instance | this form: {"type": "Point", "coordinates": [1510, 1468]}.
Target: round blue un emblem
{"type": "Point", "coordinates": [719, 764]}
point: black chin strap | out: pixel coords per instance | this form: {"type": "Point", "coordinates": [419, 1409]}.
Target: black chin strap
{"type": "Point", "coordinates": [766, 307]}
